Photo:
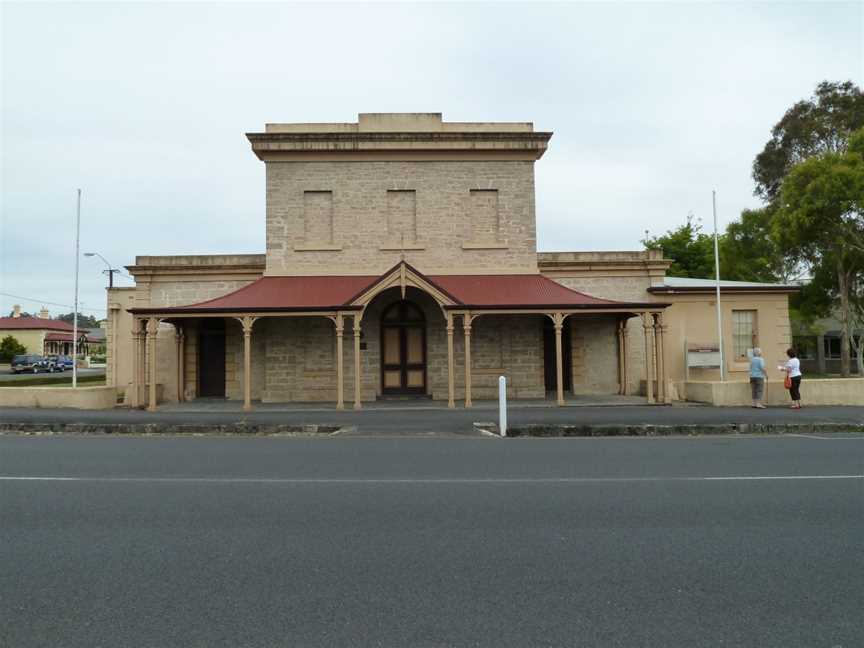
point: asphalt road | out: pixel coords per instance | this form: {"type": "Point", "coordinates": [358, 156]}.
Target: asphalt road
{"type": "Point", "coordinates": [395, 421]}
{"type": "Point", "coordinates": [6, 374]}
{"type": "Point", "coordinates": [260, 542]}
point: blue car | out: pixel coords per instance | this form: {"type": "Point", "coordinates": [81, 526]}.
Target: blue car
{"type": "Point", "coordinates": [59, 363]}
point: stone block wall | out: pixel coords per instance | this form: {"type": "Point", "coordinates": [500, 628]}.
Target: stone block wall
{"type": "Point", "coordinates": [623, 288]}
{"type": "Point", "coordinates": [442, 233]}
{"type": "Point", "coordinates": [182, 293]}
{"type": "Point", "coordinates": [594, 345]}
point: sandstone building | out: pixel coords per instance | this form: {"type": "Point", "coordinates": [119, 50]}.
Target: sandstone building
{"type": "Point", "coordinates": [401, 260]}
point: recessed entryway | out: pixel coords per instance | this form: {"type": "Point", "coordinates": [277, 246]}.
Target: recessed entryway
{"type": "Point", "coordinates": [403, 349]}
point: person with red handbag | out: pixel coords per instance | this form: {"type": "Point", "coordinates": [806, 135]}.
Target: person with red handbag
{"type": "Point", "coordinates": [792, 382]}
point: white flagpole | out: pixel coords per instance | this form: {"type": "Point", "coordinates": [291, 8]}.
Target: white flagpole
{"type": "Point", "coordinates": [75, 314]}
{"type": "Point", "coordinates": [717, 278]}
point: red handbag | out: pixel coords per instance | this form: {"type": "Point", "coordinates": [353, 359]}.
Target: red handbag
{"type": "Point", "coordinates": [787, 382]}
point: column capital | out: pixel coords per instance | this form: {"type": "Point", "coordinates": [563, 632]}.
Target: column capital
{"type": "Point", "coordinates": [467, 318]}
{"type": "Point", "coordinates": [557, 318]}
{"type": "Point", "coordinates": [247, 322]}
{"type": "Point", "coordinates": [153, 326]}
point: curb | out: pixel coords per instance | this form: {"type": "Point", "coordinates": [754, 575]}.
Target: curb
{"type": "Point", "coordinates": [193, 429]}
{"type": "Point", "coordinates": [700, 429]}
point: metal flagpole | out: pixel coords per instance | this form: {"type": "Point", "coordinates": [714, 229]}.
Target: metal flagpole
{"type": "Point", "coordinates": [717, 276]}
{"type": "Point", "coordinates": [75, 313]}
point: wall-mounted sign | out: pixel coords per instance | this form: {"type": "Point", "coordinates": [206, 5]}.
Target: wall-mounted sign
{"type": "Point", "coordinates": [703, 356]}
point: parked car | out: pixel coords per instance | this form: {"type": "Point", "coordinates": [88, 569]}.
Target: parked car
{"type": "Point", "coordinates": [65, 363]}
{"type": "Point", "coordinates": [59, 363]}
{"type": "Point", "coordinates": [31, 363]}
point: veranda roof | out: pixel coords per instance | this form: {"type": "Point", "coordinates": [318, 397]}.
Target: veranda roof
{"type": "Point", "coordinates": [331, 293]}
{"type": "Point", "coordinates": [66, 337]}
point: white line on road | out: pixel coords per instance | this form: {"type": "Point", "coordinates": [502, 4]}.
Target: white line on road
{"type": "Point", "coordinates": [827, 438]}
{"type": "Point", "coordinates": [421, 480]}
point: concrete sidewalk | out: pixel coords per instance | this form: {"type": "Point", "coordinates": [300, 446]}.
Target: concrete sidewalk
{"type": "Point", "coordinates": [413, 421]}
{"type": "Point", "coordinates": [409, 404]}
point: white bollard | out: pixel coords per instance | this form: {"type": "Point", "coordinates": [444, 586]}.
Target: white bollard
{"type": "Point", "coordinates": [502, 405]}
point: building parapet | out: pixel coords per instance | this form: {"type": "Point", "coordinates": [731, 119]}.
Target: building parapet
{"type": "Point", "coordinates": [636, 262]}
{"type": "Point", "coordinates": [201, 264]}
{"type": "Point", "coordinates": [400, 136]}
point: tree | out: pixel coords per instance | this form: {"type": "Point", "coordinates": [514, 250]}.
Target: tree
{"type": "Point", "coordinates": [748, 253]}
{"type": "Point", "coordinates": [21, 314]}
{"type": "Point", "coordinates": [815, 126]}
{"type": "Point", "coordinates": [820, 223]}
{"type": "Point", "coordinates": [691, 251]}
{"type": "Point", "coordinates": [84, 321]}
{"type": "Point", "coordinates": [856, 321]}
{"type": "Point", "coordinates": [9, 348]}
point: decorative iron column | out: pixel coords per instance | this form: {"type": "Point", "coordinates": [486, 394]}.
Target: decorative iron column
{"type": "Point", "coordinates": [648, 328]}
{"type": "Point", "coordinates": [247, 323]}
{"type": "Point", "coordinates": [358, 369]}
{"type": "Point", "coordinates": [451, 403]}
{"type": "Point", "coordinates": [340, 387]}
{"type": "Point", "coordinates": [152, 336]}
{"type": "Point", "coordinates": [466, 326]}
{"type": "Point", "coordinates": [558, 320]}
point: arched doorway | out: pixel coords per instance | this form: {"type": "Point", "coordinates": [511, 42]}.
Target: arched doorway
{"type": "Point", "coordinates": [403, 349]}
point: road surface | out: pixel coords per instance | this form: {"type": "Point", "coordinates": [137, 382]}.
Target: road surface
{"type": "Point", "coordinates": [440, 541]}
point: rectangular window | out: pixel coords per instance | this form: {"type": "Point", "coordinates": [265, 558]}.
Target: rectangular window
{"type": "Point", "coordinates": [743, 332]}
{"type": "Point", "coordinates": [832, 348]}
{"type": "Point", "coordinates": [318, 216]}
{"type": "Point", "coordinates": [484, 215]}
{"type": "Point", "coordinates": [402, 217]}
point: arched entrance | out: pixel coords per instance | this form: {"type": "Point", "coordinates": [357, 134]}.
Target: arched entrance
{"type": "Point", "coordinates": [403, 349]}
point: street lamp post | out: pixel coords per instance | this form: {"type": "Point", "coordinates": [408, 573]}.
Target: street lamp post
{"type": "Point", "coordinates": [75, 313]}
{"type": "Point", "coordinates": [111, 269]}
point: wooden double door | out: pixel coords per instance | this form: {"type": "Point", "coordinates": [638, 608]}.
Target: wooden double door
{"type": "Point", "coordinates": [403, 349]}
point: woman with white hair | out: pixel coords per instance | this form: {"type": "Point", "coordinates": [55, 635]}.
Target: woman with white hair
{"type": "Point", "coordinates": [758, 375]}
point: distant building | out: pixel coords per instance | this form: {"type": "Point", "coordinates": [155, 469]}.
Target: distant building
{"type": "Point", "coordinates": [820, 347]}
{"type": "Point", "coordinates": [42, 334]}
{"type": "Point", "coordinates": [412, 241]}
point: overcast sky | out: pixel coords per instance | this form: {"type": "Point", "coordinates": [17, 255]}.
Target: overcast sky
{"type": "Point", "coordinates": [145, 106]}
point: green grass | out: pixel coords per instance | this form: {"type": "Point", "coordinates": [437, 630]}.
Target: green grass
{"type": "Point", "coordinates": [54, 381]}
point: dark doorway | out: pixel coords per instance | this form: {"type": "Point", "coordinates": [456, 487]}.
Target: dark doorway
{"type": "Point", "coordinates": [211, 358]}
{"type": "Point", "coordinates": [549, 372]}
{"type": "Point", "coordinates": [403, 349]}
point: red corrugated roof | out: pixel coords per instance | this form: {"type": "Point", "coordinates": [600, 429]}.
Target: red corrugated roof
{"type": "Point", "coordinates": [289, 293]}
{"type": "Point", "coordinates": [337, 292]}
{"type": "Point", "coordinates": [37, 323]}
{"type": "Point", "coordinates": [503, 291]}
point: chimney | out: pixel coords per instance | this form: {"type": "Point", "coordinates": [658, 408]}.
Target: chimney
{"type": "Point", "coordinates": [16, 310]}
{"type": "Point", "coordinates": [44, 314]}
